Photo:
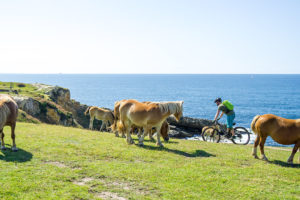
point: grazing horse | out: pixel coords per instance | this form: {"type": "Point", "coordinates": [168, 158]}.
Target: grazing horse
{"type": "Point", "coordinates": [284, 131]}
{"type": "Point", "coordinates": [147, 115]}
{"type": "Point", "coordinates": [164, 129]}
{"type": "Point", "coordinates": [101, 114]}
{"type": "Point", "coordinates": [8, 116]}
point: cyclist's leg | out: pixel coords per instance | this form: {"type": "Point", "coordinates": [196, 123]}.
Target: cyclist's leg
{"type": "Point", "coordinates": [230, 119]}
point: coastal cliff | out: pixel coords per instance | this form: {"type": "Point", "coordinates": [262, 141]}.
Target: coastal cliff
{"type": "Point", "coordinates": [52, 104]}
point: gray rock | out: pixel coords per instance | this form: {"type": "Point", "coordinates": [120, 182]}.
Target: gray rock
{"type": "Point", "coordinates": [29, 105]}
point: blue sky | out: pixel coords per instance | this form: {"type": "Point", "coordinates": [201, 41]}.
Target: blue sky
{"type": "Point", "coordinates": [156, 36]}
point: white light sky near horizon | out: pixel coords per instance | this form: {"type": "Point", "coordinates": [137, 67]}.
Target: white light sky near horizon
{"type": "Point", "coordinates": [157, 36]}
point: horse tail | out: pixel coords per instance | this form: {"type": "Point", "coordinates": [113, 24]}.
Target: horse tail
{"type": "Point", "coordinates": [87, 111]}
{"type": "Point", "coordinates": [120, 126]}
{"type": "Point", "coordinates": [253, 123]}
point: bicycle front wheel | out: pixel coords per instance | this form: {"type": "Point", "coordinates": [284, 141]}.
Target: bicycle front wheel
{"type": "Point", "coordinates": [241, 136]}
{"type": "Point", "coordinates": [211, 135]}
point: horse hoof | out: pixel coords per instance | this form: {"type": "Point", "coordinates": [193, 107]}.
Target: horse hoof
{"type": "Point", "coordinates": [265, 159]}
{"type": "Point", "coordinates": [159, 144]}
{"type": "Point", "coordinates": [290, 162]}
{"type": "Point", "coordinates": [141, 144]}
{"type": "Point", "coordinates": [3, 148]}
{"type": "Point", "coordinates": [255, 156]}
{"type": "Point", "coordinates": [14, 149]}
{"type": "Point", "coordinates": [130, 141]}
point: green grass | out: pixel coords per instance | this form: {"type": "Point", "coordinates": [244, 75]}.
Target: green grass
{"type": "Point", "coordinates": [23, 89]}
{"type": "Point", "coordinates": [55, 162]}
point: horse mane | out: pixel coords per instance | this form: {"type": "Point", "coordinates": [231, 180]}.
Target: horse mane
{"type": "Point", "coordinates": [172, 107]}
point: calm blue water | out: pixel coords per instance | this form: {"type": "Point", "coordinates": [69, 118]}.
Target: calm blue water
{"type": "Point", "coordinates": [250, 94]}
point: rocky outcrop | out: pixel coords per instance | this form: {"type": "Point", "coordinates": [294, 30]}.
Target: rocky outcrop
{"type": "Point", "coordinates": [187, 126]}
{"type": "Point", "coordinates": [29, 105]}
{"type": "Point", "coordinates": [189, 122]}
{"type": "Point", "coordinates": [61, 109]}
{"type": "Point", "coordinates": [45, 111]}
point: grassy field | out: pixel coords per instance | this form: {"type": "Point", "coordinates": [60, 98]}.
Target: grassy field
{"type": "Point", "coordinates": [22, 89]}
{"type": "Point", "coordinates": [55, 162]}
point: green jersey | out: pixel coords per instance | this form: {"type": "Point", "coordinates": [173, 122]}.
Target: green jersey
{"type": "Point", "coordinates": [224, 109]}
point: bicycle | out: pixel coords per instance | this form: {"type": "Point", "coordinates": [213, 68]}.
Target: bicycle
{"type": "Point", "coordinates": [218, 132]}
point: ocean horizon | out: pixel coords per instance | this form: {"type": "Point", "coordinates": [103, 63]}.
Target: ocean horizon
{"type": "Point", "coordinates": [251, 94]}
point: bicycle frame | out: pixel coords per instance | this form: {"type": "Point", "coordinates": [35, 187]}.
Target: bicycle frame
{"type": "Point", "coordinates": [242, 136]}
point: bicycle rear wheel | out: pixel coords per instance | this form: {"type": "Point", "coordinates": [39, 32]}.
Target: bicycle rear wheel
{"type": "Point", "coordinates": [241, 136]}
{"type": "Point", "coordinates": [211, 135]}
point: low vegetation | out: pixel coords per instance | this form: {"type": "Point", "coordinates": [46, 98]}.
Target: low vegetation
{"type": "Point", "coordinates": [22, 89]}
{"type": "Point", "coordinates": [55, 162]}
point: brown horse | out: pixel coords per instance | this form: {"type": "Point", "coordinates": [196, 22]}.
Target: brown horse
{"type": "Point", "coordinates": [8, 117]}
{"type": "Point", "coordinates": [164, 129]}
{"type": "Point", "coordinates": [101, 114]}
{"type": "Point", "coordinates": [147, 115]}
{"type": "Point", "coordinates": [284, 131]}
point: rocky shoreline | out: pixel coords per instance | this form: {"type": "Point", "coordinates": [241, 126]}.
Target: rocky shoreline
{"type": "Point", "coordinates": [58, 108]}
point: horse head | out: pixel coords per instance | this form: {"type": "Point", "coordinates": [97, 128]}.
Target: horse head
{"type": "Point", "coordinates": [164, 131]}
{"type": "Point", "coordinates": [178, 114]}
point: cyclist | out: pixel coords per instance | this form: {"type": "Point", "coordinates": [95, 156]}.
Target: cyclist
{"type": "Point", "coordinates": [230, 115]}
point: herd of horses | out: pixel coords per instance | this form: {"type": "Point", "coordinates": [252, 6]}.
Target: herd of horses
{"type": "Point", "coordinates": [131, 115]}
{"type": "Point", "coordinates": [150, 117]}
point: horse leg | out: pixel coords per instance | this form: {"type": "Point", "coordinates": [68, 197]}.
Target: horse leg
{"type": "Point", "coordinates": [295, 149]}
{"type": "Point", "coordinates": [254, 152]}
{"type": "Point", "coordinates": [158, 143]}
{"type": "Point", "coordinates": [13, 137]}
{"type": "Point", "coordinates": [261, 145]}
{"type": "Point", "coordinates": [105, 126]}
{"type": "Point", "coordinates": [141, 138]}
{"type": "Point", "coordinates": [108, 126]}
{"type": "Point", "coordinates": [2, 140]}
{"type": "Point", "coordinates": [117, 134]}
{"type": "Point", "coordinates": [129, 139]}
{"type": "Point", "coordinates": [139, 133]}
{"type": "Point", "coordinates": [123, 135]}
{"type": "Point", "coordinates": [102, 125]}
{"type": "Point", "coordinates": [151, 136]}
{"type": "Point", "coordinates": [91, 123]}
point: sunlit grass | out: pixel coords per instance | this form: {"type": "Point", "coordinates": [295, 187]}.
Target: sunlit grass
{"type": "Point", "coordinates": [56, 162]}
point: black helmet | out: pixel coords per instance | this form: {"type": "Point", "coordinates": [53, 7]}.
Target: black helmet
{"type": "Point", "coordinates": [218, 100]}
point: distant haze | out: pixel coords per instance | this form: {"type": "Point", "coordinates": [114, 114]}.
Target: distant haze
{"type": "Point", "coordinates": [157, 36]}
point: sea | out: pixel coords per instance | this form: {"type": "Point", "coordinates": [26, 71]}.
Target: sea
{"type": "Point", "coordinates": [251, 94]}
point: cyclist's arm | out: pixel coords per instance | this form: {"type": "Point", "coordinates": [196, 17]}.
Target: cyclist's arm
{"type": "Point", "coordinates": [221, 115]}
{"type": "Point", "coordinates": [217, 114]}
